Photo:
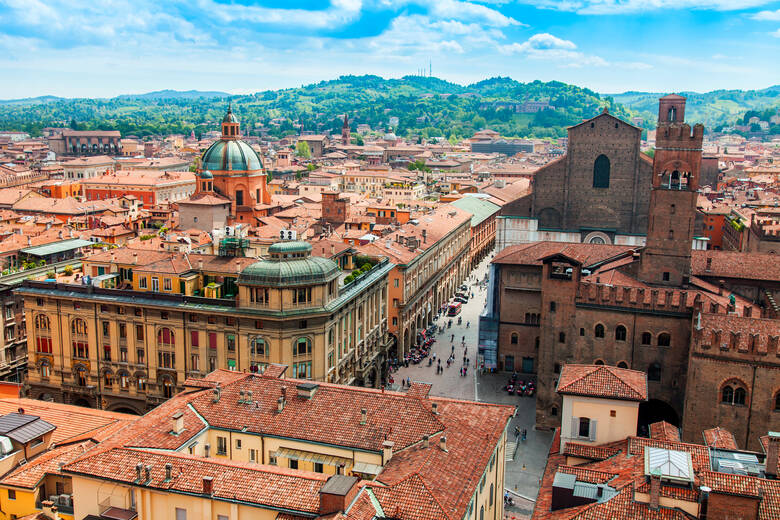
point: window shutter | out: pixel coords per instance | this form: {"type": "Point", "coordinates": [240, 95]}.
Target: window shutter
{"type": "Point", "coordinates": [575, 427]}
{"type": "Point", "coordinates": [592, 432]}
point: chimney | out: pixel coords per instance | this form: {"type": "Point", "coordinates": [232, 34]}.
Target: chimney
{"type": "Point", "coordinates": [435, 408]}
{"type": "Point", "coordinates": [655, 489]}
{"type": "Point", "coordinates": [135, 258]}
{"type": "Point", "coordinates": [177, 423]}
{"type": "Point", "coordinates": [771, 455]}
{"type": "Point", "coordinates": [138, 469]}
{"type": "Point", "coordinates": [284, 392]}
{"type": "Point", "coordinates": [426, 440]}
{"type": "Point", "coordinates": [443, 443]}
{"type": "Point", "coordinates": [168, 471]}
{"type": "Point", "coordinates": [363, 416]}
{"type": "Point", "coordinates": [332, 250]}
{"type": "Point", "coordinates": [387, 451]}
{"type": "Point", "coordinates": [200, 265]}
{"type": "Point", "coordinates": [208, 485]}
{"type": "Point", "coordinates": [280, 404]}
{"type": "Point", "coordinates": [424, 235]}
{"type": "Point", "coordinates": [215, 398]}
{"type": "Point", "coordinates": [49, 509]}
{"type": "Point", "coordinates": [709, 264]}
{"type": "Point", "coordinates": [148, 473]}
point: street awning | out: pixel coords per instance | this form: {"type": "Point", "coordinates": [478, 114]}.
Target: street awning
{"type": "Point", "coordinates": [308, 456]}
{"type": "Point", "coordinates": [366, 468]}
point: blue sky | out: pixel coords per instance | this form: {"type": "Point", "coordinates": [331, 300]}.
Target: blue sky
{"type": "Point", "coordinates": [111, 47]}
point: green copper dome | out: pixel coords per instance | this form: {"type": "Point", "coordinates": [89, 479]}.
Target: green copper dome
{"type": "Point", "coordinates": [231, 155]}
{"type": "Point", "coordinates": [290, 265]}
{"type": "Point", "coordinates": [230, 117]}
{"type": "Point", "coordinates": [205, 174]}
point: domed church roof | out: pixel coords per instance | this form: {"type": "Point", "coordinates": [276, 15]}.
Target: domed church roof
{"type": "Point", "coordinates": [290, 265]}
{"type": "Point", "coordinates": [231, 155]}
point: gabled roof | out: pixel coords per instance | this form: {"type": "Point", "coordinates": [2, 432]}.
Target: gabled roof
{"type": "Point", "coordinates": [24, 428]}
{"type": "Point", "coordinates": [603, 381]}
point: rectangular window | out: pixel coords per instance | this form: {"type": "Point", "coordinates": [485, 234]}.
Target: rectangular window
{"type": "Point", "coordinates": [11, 494]}
{"type": "Point", "coordinates": [230, 340]}
{"type": "Point", "coordinates": [140, 356]}
{"type": "Point", "coordinates": [122, 331]}
{"type": "Point", "coordinates": [258, 324]}
{"type": "Point", "coordinates": [167, 284]}
{"type": "Point", "coordinates": [230, 321]}
{"type": "Point", "coordinates": [213, 340]}
{"type": "Point", "coordinates": [123, 355]}
{"type": "Point", "coordinates": [221, 445]}
{"type": "Point", "coordinates": [139, 332]}
{"type": "Point", "coordinates": [163, 315]}
{"type": "Point", "coordinates": [194, 318]}
{"type": "Point", "coordinates": [181, 514]}
{"type": "Point", "coordinates": [142, 282]}
{"type": "Point", "coordinates": [155, 284]}
{"type": "Point", "coordinates": [552, 306]}
{"type": "Point", "coordinates": [195, 362]}
{"type": "Point", "coordinates": [238, 444]}
{"type": "Point", "coordinates": [194, 335]}
{"type": "Point", "coordinates": [318, 467]}
{"type": "Point", "coordinates": [252, 455]}
{"type": "Point", "coordinates": [293, 464]}
{"type": "Point", "coordinates": [106, 329]}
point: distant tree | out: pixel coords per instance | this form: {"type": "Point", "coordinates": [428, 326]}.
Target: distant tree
{"type": "Point", "coordinates": [419, 164]}
{"type": "Point", "coordinates": [302, 150]}
{"type": "Point", "coordinates": [755, 127]}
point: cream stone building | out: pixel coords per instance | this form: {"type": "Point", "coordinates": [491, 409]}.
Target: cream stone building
{"type": "Point", "coordinates": [144, 324]}
{"type": "Point", "coordinates": [237, 446]}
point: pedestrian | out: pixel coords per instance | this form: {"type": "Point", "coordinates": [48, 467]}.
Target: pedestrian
{"type": "Point", "coordinates": [409, 381]}
{"type": "Point", "coordinates": [525, 432]}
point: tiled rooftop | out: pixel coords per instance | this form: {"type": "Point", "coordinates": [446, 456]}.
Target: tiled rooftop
{"type": "Point", "coordinates": [603, 381]}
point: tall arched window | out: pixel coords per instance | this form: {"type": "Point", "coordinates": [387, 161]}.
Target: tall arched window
{"type": "Point", "coordinates": [654, 372]}
{"type": "Point", "coordinates": [601, 172]}
{"type": "Point", "coordinates": [664, 340]}
{"type": "Point", "coordinates": [620, 333]}
{"type": "Point", "coordinates": [165, 338]}
{"type": "Point", "coordinates": [258, 346]}
{"type": "Point", "coordinates": [777, 402]}
{"type": "Point", "coordinates": [727, 395]}
{"type": "Point", "coordinates": [514, 338]}
{"type": "Point", "coordinates": [302, 347]}
{"type": "Point", "coordinates": [42, 334]}
{"type": "Point", "coordinates": [739, 395]}
{"type": "Point", "coordinates": [672, 114]}
{"type": "Point", "coordinates": [598, 331]}
{"type": "Point", "coordinates": [647, 338]}
{"type": "Point", "coordinates": [78, 329]}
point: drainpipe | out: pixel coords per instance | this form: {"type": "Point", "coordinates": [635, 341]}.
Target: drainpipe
{"type": "Point", "coordinates": [750, 408]}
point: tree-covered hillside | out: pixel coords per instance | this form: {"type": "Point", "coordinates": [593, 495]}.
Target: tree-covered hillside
{"type": "Point", "coordinates": [425, 107]}
{"type": "Point", "coordinates": [710, 108]}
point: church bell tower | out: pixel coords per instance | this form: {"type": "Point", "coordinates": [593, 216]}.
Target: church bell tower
{"type": "Point", "coordinates": [666, 258]}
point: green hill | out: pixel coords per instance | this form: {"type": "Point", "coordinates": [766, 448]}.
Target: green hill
{"type": "Point", "coordinates": [711, 108]}
{"type": "Point", "coordinates": [425, 107]}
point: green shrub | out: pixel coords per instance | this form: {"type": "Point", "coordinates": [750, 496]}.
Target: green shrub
{"type": "Point", "coordinates": [68, 270]}
{"type": "Point", "coordinates": [349, 278]}
{"type": "Point", "coordinates": [50, 274]}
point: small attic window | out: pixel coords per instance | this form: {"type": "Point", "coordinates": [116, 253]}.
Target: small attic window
{"type": "Point", "coordinates": [592, 125]}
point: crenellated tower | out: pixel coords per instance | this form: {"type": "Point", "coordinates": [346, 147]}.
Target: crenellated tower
{"type": "Point", "coordinates": [666, 258]}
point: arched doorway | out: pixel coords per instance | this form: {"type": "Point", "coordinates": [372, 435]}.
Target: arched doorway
{"type": "Point", "coordinates": [655, 410]}
{"type": "Point", "coordinates": [82, 402]}
{"type": "Point", "coordinates": [125, 409]}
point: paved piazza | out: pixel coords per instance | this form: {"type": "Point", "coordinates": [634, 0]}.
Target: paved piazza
{"type": "Point", "coordinates": [525, 469]}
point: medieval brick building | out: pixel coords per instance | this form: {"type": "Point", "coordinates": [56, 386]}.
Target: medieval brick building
{"type": "Point", "coordinates": [595, 193]}
{"type": "Point", "coordinates": [706, 334]}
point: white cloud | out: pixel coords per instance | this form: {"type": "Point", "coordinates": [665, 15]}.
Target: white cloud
{"type": "Point", "coordinates": [771, 16]}
{"type": "Point", "coordinates": [337, 14]}
{"type": "Point", "coordinates": [776, 34]}
{"type": "Point", "coordinates": [541, 43]}
{"type": "Point", "coordinates": [636, 6]}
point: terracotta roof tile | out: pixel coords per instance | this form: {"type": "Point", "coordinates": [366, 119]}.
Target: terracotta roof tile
{"type": "Point", "coordinates": [664, 431]}
{"type": "Point", "coordinates": [603, 381]}
{"type": "Point", "coordinates": [719, 438]}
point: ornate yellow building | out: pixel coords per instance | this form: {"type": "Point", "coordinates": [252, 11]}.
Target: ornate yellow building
{"type": "Point", "coordinates": [184, 316]}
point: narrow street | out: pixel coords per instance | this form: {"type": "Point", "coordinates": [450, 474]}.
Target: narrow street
{"type": "Point", "coordinates": [525, 459]}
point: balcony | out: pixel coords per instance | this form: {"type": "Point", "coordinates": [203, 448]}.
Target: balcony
{"type": "Point", "coordinates": [64, 503]}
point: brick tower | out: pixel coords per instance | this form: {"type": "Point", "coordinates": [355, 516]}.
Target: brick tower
{"type": "Point", "coordinates": [666, 259]}
{"type": "Point", "coordinates": [345, 137]}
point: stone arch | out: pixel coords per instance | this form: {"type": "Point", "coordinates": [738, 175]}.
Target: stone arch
{"type": "Point", "coordinates": [81, 401]}
{"type": "Point", "coordinates": [549, 218]}
{"type": "Point", "coordinates": [596, 237]}
{"type": "Point", "coordinates": [654, 410]}
{"type": "Point", "coordinates": [124, 407]}
{"type": "Point", "coordinates": [622, 364]}
{"type": "Point", "coordinates": [734, 391]}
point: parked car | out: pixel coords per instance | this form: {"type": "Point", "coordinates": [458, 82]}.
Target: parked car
{"type": "Point", "coordinates": [461, 300]}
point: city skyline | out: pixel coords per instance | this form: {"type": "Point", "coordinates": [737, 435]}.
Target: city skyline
{"type": "Point", "coordinates": [73, 50]}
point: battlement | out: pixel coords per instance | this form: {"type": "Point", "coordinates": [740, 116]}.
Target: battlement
{"type": "Point", "coordinates": [719, 334]}
{"type": "Point", "coordinates": [637, 298]}
{"type": "Point", "coordinates": [681, 133]}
